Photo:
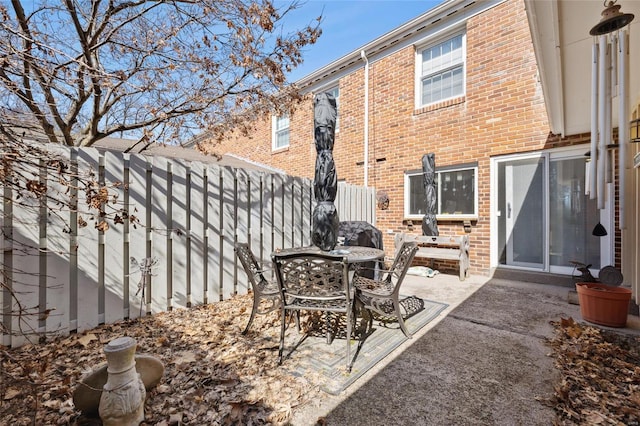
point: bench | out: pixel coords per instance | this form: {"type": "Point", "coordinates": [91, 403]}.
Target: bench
{"type": "Point", "coordinates": [440, 248]}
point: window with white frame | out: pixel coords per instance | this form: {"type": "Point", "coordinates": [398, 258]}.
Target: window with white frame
{"type": "Point", "coordinates": [441, 70]}
{"type": "Point", "coordinates": [280, 134]}
{"type": "Point", "coordinates": [456, 188]}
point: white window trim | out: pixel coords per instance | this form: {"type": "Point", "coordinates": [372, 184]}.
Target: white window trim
{"type": "Point", "coordinates": [418, 67]}
{"type": "Point", "coordinates": [274, 121]}
{"type": "Point", "coordinates": [454, 217]}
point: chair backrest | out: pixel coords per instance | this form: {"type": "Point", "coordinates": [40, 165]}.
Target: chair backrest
{"type": "Point", "coordinates": [250, 265]}
{"type": "Point", "coordinates": [401, 263]}
{"type": "Point", "coordinates": [313, 277]}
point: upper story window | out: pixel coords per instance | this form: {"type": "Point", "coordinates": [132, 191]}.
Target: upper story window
{"type": "Point", "coordinates": [441, 70]}
{"type": "Point", "coordinates": [456, 188]}
{"type": "Point", "coordinates": [280, 132]}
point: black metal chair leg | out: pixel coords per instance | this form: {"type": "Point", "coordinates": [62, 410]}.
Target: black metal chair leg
{"type": "Point", "coordinates": [349, 360]}
{"type": "Point", "coordinates": [401, 320]}
{"type": "Point", "coordinates": [254, 308]}
{"type": "Point", "coordinates": [282, 330]}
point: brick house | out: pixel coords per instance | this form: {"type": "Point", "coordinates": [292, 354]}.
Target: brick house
{"type": "Point", "coordinates": [460, 81]}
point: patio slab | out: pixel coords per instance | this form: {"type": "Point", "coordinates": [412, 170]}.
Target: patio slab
{"type": "Point", "coordinates": [484, 360]}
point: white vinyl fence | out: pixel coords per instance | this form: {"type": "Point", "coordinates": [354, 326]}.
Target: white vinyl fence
{"type": "Point", "coordinates": [190, 214]}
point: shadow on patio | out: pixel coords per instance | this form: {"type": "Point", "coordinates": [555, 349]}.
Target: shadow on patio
{"type": "Point", "coordinates": [485, 362]}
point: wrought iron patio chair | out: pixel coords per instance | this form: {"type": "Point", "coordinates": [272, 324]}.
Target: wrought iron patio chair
{"type": "Point", "coordinates": [315, 282]}
{"type": "Point", "coordinates": [263, 288]}
{"type": "Point", "coordinates": [383, 295]}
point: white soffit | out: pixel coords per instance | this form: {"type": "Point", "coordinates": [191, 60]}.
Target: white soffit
{"type": "Point", "coordinates": [560, 32]}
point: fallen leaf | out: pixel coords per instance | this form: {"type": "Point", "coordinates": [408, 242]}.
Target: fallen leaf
{"type": "Point", "coordinates": [186, 357]}
{"type": "Point", "coordinates": [52, 403]}
{"type": "Point", "coordinates": [175, 418]}
{"type": "Point", "coordinates": [11, 393]}
{"type": "Point", "coordinates": [86, 339]}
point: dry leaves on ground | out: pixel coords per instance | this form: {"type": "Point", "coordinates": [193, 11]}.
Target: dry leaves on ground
{"type": "Point", "coordinates": [600, 375]}
{"type": "Point", "coordinates": [213, 374]}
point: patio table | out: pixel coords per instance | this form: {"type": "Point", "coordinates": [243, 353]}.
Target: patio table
{"type": "Point", "coordinates": [357, 256]}
{"type": "Point", "coordinates": [354, 254]}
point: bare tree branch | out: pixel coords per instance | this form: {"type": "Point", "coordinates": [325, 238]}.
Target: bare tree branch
{"type": "Point", "coordinates": [158, 71]}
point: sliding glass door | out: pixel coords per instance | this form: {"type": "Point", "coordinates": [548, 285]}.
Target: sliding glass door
{"type": "Point", "coordinates": [543, 217]}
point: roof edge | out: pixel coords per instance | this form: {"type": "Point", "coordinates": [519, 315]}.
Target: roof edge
{"type": "Point", "coordinates": [445, 11]}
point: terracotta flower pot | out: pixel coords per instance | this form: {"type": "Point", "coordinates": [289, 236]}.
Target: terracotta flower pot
{"type": "Point", "coordinates": [603, 304]}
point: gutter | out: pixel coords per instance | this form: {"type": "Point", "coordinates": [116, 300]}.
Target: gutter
{"type": "Point", "coordinates": [363, 55]}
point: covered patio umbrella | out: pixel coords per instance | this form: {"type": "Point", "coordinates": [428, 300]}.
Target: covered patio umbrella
{"type": "Point", "coordinates": [324, 233]}
{"type": "Point", "coordinates": [429, 223]}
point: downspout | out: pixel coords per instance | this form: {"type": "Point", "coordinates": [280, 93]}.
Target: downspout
{"type": "Point", "coordinates": [366, 118]}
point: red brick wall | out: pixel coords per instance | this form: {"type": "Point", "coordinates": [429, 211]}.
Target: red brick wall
{"type": "Point", "coordinates": [502, 112]}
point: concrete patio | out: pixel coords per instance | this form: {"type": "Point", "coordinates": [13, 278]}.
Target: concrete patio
{"type": "Point", "coordinates": [484, 360]}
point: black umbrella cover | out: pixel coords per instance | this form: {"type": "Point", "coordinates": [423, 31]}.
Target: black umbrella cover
{"type": "Point", "coordinates": [324, 233]}
{"type": "Point", "coordinates": [325, 185]}
{"type": "Point", "coordinates": [429, 222]}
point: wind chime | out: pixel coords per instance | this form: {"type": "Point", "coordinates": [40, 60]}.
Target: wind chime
{"type": "Point", "coordinates": [609, 80]}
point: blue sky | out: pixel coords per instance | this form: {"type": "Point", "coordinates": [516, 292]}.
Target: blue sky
{"type": "Point", "coordinates": [349, 25]}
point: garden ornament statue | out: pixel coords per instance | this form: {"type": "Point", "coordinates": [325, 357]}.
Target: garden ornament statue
{"type": "Point", "coordinates": [88, 392]}
{"type": "Point", "coordinates": [324, 232]}
{"type": "Point", "coordinates": [584, 270]}
{"type": "Point", "coordinates": [122, 400]}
